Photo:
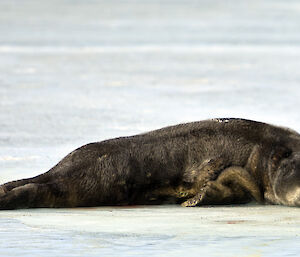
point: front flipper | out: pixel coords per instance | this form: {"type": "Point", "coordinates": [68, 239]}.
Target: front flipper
{"type": "Point", "coordinates": [207, 171]}
{"type": "Point", "coordinates": [234, 185]}
{"type": "Point", "coordinates": [194, 178]}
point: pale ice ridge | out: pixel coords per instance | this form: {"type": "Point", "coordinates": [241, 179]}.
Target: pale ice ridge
{"type": "Point", "coordinates": [264, 48]}
{"type": "Point", "coordinates": [157, 220]}
{"type": "Point", "coordinates": [17, 158]}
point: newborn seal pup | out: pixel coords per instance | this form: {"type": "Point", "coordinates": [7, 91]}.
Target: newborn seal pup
{"type": "Point", "coordinates": [219, 161]}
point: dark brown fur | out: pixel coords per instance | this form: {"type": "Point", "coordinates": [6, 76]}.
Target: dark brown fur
{"type": "Point", "coordinates": [219, 161]}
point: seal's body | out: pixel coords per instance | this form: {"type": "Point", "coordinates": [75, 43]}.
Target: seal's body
{"type": "Point", "coordinates": [219, 161]}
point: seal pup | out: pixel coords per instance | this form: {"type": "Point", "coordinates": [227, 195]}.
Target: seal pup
{"type": "Point", "coordinates": [218, 161]}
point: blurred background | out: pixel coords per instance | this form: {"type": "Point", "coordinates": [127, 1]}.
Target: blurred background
{"type": "Point", "coordinates": [73, 72]}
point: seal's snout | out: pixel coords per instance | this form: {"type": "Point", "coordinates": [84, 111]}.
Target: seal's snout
{"type": "Point", "coordinates": [293, 197]}
{"type": "Point", "coordinates": [287, 181]}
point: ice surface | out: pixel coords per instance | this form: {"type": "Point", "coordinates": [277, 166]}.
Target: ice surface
{"type": "Point", "coordinates": [158, 230]}
{"type": "Point", "coordinates": [73, 72]}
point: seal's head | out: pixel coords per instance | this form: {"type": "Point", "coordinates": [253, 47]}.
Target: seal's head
{"type": "Point", "coordinates": [285, 181]}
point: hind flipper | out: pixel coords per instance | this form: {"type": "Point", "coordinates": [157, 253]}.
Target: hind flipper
{"type": "Point", "coordinates": [40, 179]}
{"type": "Point", "coordinates": [3, 191]}
{"type": "Point", "coordinates": [4, 188]}
{"type": "Point", "coordinates": [33, 196]}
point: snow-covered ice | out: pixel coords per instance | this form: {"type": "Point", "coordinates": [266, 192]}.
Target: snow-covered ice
{"type": "Point", "coordinates": [151, 231]}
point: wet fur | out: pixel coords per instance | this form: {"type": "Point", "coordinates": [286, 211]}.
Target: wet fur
{"type": "Point", "coordinates": [219, 161]}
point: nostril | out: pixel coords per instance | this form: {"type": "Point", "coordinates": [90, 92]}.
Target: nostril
{"type": "Point", "coordinates": [287, 154]}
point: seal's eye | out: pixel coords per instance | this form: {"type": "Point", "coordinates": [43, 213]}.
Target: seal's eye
{"type": "Point", "coordinates": [287, 154]}
{"type": "Point", "coordinates": [280, 153]}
